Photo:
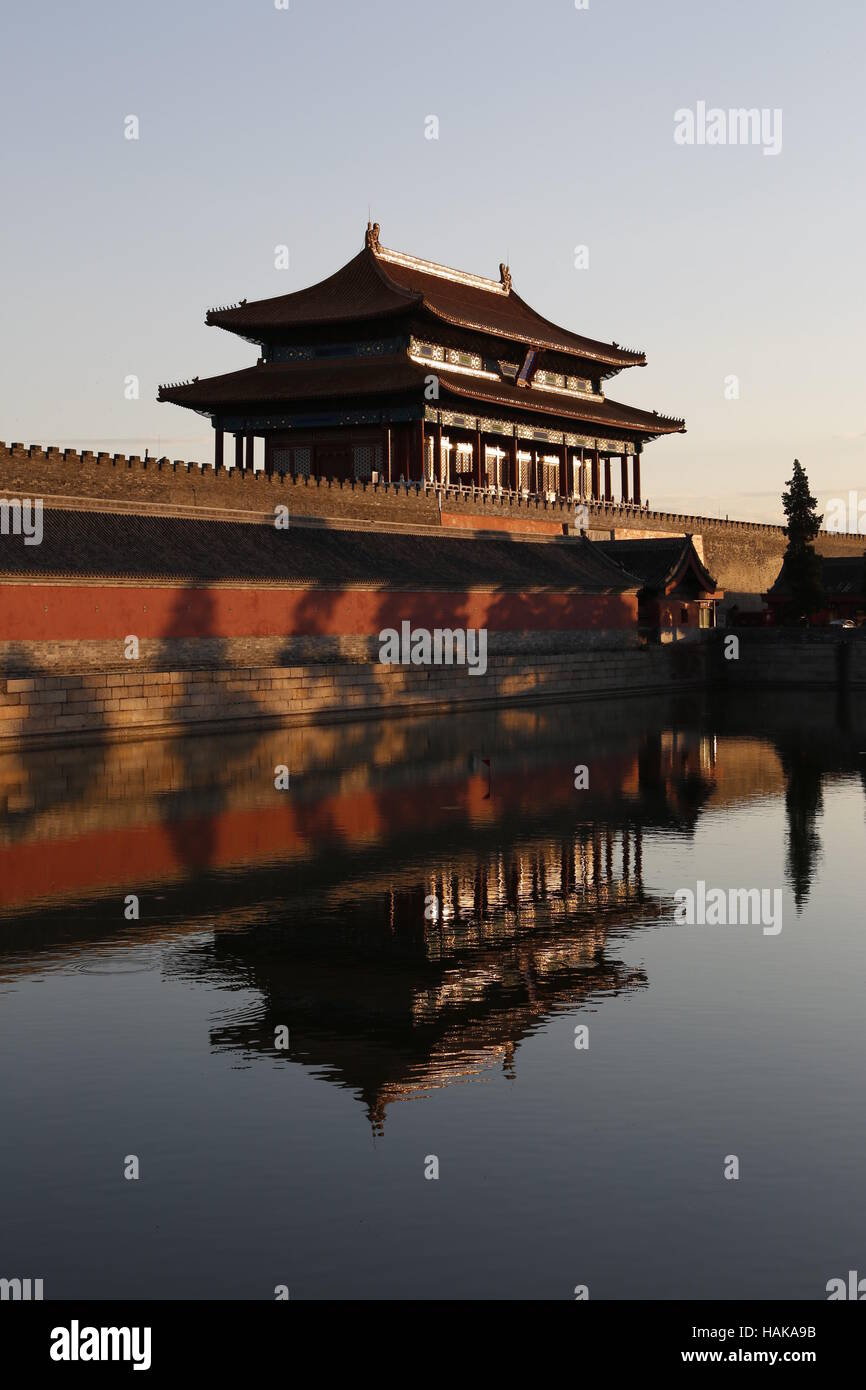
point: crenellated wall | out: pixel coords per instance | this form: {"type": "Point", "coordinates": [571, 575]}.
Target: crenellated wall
{"type": "Point", "coordinates": [743, 556]}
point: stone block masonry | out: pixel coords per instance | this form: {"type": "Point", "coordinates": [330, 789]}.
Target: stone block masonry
{"type": "Point", "coordinates": [791, 658]}
{"type": "Point", "coordinates": [109, 705]}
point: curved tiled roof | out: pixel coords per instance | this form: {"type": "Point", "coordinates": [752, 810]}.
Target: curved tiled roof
{"type": "Point", "coordinates": [88, 545]}
{"type": "Point", "coordinates": [353, 292]}
{"type": "Point", "coordinates": [280, 384]}
{"type": "Point", "coordinates": [659, 562]}
{"type": "Point", "coordinates": [377, 283]}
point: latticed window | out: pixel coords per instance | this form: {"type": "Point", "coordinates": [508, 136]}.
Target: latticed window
{"type": "Point", "coordinates": [282, 456]}
{"type": "Point", "coordinates": [493, 465]}
{"type": "Point", "coordinates": [524, 470]}
{"type": "Point", "coordinates": [584, 478]}
{"type": "Point", "coordinates": [445, 462]}
{"type": "Point", "coordinates": [550, 473]}
{"type": "Point", "coordinates": [302, 460]}
{"type": "Point", "coordinates": [367, 459]}
{"type": "Point", "coordinates": [463, 462]}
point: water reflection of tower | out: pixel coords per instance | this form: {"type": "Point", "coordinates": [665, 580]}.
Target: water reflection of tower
{"type": "Point", "coordinates": [392, 1006]}
{"type": "Point", "coordinates": [599, 866]}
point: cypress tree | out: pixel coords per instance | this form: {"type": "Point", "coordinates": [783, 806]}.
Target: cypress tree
{"type": "Point", "coordinates": [802, 566]}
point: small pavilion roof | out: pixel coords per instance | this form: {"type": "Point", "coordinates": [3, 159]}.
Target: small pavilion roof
{"type": "Point", "coordinates": [278, 384]}
{"type": "Point", "coordinates": [378, 283]}
{"type": "Point", "coordinates": [660, 563]}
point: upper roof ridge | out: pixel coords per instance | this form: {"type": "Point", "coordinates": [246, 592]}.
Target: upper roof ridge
{"type": "Point", "coordinates": [445, 272]}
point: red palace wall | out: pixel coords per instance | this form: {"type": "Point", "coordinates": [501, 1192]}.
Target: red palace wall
{"type": "Point", "coordinates": [80, 611]}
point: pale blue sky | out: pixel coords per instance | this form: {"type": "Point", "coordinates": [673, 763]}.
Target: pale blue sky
{"type": "Point", "coordinates": [261, 127]}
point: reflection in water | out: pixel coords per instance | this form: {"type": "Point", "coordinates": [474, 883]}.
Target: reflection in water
{"type": "Point", "coordinates": [382, 999]}
{"type": "Point", "coordinates": [426, 894]}
{"type": "Point", "coordinates": [426, 897]}
{"type": "Point", "coordinates": [803, 804]}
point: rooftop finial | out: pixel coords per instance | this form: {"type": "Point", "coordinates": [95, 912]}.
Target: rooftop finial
{"type": "Point", "coordinates": [372, 238]}
{"type": "Point", "coordinates": [505, 276]}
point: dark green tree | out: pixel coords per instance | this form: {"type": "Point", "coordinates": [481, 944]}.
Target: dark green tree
{"type": "Point", "coordinates": [802, 564]}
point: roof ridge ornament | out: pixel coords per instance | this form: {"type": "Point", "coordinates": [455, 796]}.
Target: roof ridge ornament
{"type": "Point", "coordinates": [443, 272]}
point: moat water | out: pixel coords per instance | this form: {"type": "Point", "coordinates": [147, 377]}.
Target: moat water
{"type": "Point", "coordinates": [425, 1023]}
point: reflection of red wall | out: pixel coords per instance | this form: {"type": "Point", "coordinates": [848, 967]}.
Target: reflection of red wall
{"type": "Point", "coordinates": [153, 851]}
{"type": "Point", "coordinates": [49, 612]}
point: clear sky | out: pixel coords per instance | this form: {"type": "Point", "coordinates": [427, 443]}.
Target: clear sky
{"type": "Point", "coordinates": [262, 127]}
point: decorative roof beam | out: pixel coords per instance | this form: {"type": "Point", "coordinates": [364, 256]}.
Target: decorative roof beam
{"type": "Point", "coordinates": [445, 272]}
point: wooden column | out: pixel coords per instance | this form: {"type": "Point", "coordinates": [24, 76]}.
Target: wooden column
{"type": "Point", "coordinates": [608, 489]}
{"type": "Point", "coordinates": [563, 481]}
{"type": "Point", "coordinates": [596, 485]}
{"type": "Point", "coordinates": [512, 462]}
{"type": "Point", "coordinates": [388, 454]}
{"type": "Point", "coordinates": [269, 454]}
{"type": "Point", "coordinates": [218, 443]}
{"type": "Point", "coordinates": [437, 451]}
{"type": "Point", "coordinates": [623, 476]}
{"type": "Point", "coordinates": [635, 473]}
{"type": "Point", "coordinates": [480, 465]}
{"type": "Point", "coordinates": [251, 443]}
{"type": "Point", "coordinates": [239, 451]}
{"type": "Point", "coordinates": [421, 443]}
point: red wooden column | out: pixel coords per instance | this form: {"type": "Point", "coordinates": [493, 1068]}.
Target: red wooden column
{"type": "Point", "coordinates": [480, 464]}
{"type": "Point", "coordinates": [596, 481]}
{"type": "Point", "coordinates": [407, 448]}
{"type": "Point", "coordinates": [635, 472]}
{"type": "Point", "coordinates": [623, 477]}
{"type": "Point", "coordinates": [251, 442]}
{"type": "Point", "coordinates": [512, 462]}
{"type": "Point", "coordinates": [269, 454]}
{"type": "Point", "coordinates": [421, 444]}
{"type": "Point", "coordinates": [437, 451]}
{"type": "Point", "coordinates": [608, 489]}
{"type": "Point", "coordinates": [388, 454]}
{"type": "Point", "coordinates": [218, 446]}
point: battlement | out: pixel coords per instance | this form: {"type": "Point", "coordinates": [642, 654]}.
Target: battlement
{"type": "Point", "coordinates": [67, 475]}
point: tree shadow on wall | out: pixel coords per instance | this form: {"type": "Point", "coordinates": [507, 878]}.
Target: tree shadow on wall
{"type": "Point", "coordinates": [187, 653]}
{"type": "Point", "coordinates": [36, 777]}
